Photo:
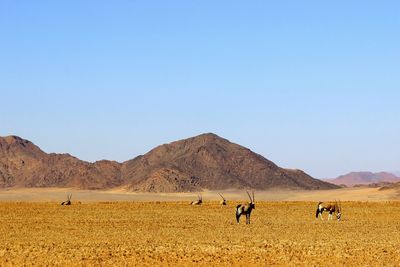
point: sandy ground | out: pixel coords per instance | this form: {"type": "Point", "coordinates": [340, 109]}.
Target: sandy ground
{"type": "Point", "coordinates": [86, 196]}
{"type": "Point", "coordinates": [281, 233]}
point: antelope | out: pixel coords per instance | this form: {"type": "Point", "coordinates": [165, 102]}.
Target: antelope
{"type": "Point", "coordinates": [223, 201]}
{"type": "Point", "coordinates": [199, 201]}
{"type": "Point", "coordinates": [245, 209]}
{"type": "Point", "coordinates": [68, 202]}
{"type": "Point", "coordinates": [331, 207]}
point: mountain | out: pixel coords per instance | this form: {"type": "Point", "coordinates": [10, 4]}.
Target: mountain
{"type": "Point", "coordinates": [206, 161]}
{"type": "Point", "coordinates": [23, 164]}
{"type": "Point", "coordinates": [364, 178]}
{"type": "Point", "coordinates": [397, 173]}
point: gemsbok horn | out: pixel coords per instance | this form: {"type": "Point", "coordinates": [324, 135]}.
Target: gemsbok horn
{"type": "Point", "coordinates": [199, 201]}
{"type": "Point", "coordinates": [335, 208]}
{"type": "Point", "coordinates": [223, 201]}
{"type": "Point", "coordinates": [245, 209]}
{"type": "Point", "coordinates": [67, 202]}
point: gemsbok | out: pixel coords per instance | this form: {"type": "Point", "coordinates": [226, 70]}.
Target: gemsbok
{"type": "Point", "coordinates": [245, 209]}
{"type": "Point", "coordinates": [67, 202]}
{"type": "Point", "coordinates": [199, 201]}
{"type": "Point", "coordinates": [331, 208]}
{"type": "Point", "coordinates": [223, 201]}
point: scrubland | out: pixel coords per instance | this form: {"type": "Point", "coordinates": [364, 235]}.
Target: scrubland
{"type": "Point", "coordinates": [175, 233]}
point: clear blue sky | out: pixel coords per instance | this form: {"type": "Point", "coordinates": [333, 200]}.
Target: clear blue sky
{"type": "Point", "coordinates": [313, 85]}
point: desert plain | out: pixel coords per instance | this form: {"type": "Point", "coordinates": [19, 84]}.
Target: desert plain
{"type": "Point", "coordinates": [116, 228]}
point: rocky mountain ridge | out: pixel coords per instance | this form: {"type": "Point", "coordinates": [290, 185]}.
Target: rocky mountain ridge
{"type": "Point", "coordinates": [364, 178]}
{"type": "Point", "coordinates": [203, 162]}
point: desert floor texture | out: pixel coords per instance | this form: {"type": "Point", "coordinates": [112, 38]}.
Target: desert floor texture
{"type": "Point", "coordinates": [282, 233]}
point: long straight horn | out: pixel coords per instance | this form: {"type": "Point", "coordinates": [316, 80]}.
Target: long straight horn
{"type": "Point", "coordinates": [253, 198]}
{"type": "Point", "coordinates": [70, 197]}
{"type": "Point", "coordinates": [249, 196]}
{"type": "Point", "coordinates": [221, 196]}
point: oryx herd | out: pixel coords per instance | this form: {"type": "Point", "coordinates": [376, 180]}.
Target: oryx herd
{"type": "Point", "coordinates": [246, 208]}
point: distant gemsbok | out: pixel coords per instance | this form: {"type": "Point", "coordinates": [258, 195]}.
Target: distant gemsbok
{"type": "Point", "coordinates": [245, 209]}
{"type": "Point", "coordinates": [223, 201]}
{"type": "Point", "coordinates": [199, 201]}
{"type": "Point", "coordinates": [67, 202]}
{"type": "Point", "coordinates": [331, 208]}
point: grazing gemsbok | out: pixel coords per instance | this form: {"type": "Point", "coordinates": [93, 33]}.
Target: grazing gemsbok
{"type": "Point", "coordinates": [68, 202]}
{"type": "Point", "coordinates": [198, 201]}
{"type": "Point", "coordinates": [331, 208]}
{"type": "Point", "coordinates": [245, 209]}
{"type": "Point", "coordinates": [223, 201]}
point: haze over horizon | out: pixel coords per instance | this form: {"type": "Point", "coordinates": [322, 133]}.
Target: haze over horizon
{"type": "Point", "coordinates": [312, 86]}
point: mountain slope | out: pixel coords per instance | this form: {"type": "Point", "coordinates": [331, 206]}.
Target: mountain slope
{"type": "Point", "coordinates": [208, 161]}
{"type": "Point", "coordinates": [203, 162]}
{"type": "Point", "coordinates": [364, 178]}
{"type": "Point", "coordinates": [22, 164]}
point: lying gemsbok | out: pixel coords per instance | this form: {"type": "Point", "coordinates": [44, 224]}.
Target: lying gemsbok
{"type": "Point", "coordinates": [245, 209]}
{"type": "Point", "coordinates": [223, 201]}
{"type": "Point", "coordinates": [331, 208]}
{"type": "Point", "coordinates": [68, 202]}
{"type": "Point", "coordinates": [199, 201]}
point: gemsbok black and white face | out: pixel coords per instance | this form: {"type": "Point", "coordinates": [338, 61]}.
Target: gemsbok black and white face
{"type": "Point", "coordinates": [199, 200]}
{"type": "Point", "coordinates": [245, 209]}
{"type": "Point", "coordinates": [223, 201]}
{"type": "Point", "coordinates": [68, 201]}
{"type": "Point", "coordinates": [332, 208]}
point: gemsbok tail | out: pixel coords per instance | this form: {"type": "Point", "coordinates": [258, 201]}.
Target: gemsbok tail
{"type": "Point", "coordinates": [238, 212]}
{"type": "Point", "coordinates": [318, 211]}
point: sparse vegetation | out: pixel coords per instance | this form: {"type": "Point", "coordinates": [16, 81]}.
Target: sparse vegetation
{"type": "Point", "coordinates": [168, 233]}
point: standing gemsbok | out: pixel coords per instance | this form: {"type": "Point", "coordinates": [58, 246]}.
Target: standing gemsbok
{"type": "Point", "coordinates": [67, 202]}
{"type": "Point", "coordinates": [199, 200]}
{"type": "Point", "coordinates": [245, 209]}
{"type": "Point", "coordinates": [331, 208]}
{"type": "Point", "coordinates": [223, 201]}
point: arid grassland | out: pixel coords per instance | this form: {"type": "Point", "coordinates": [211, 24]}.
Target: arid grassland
{"type": "Point", "coordinates": [170, 233]}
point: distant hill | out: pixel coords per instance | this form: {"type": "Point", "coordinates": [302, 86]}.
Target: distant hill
{"type": "Point", "coordinates": [397, 173]}
{"type": "Point", "coordinates": [203, 162]}
{"type": "Point", "coordinates": [364, 178]}
{"type": "Point", "coordinates": [390, 186]}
